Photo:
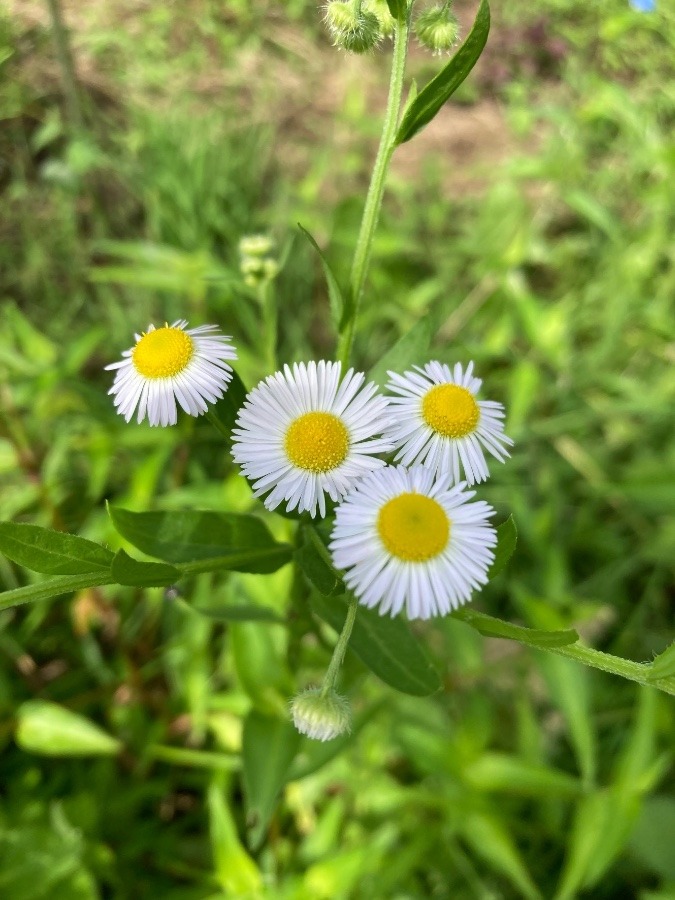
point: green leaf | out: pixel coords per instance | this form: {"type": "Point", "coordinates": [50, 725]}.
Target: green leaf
{"type": "Point", "coordinates": [507, 538]}
{"type": "Point", "coordinates": [240, 612]}
{"type": "Point", "coordinates": [52, 552]}
{"type": "Point", "coordinates": [570, 687]}
{"type": "Point", "coordinates": [412, 348]}
{"type": "Point", "coordinates": [512, 775]}
{"type": "Point", "coordinates": [489, 839]}
{"type": "Point", "coordinates": [434, 94]}
{"type": "Point", "coordinates": [664, 664]}
{"type": "Point", "coordinates": [398, 9]}
{"type": "Point", "coordinates": [652, 839]}
{"type": "Point", "coordinates": [340, 306]}
{"type": "Point", "coordinates": [385, 645]}
{"type": "Point", "coordinates": [269, 745]}
{"type": "Point", "coordinates": [602, 823]}
{"type": "Point", "coordinates": [315, 561]}
{"type": "Point", "coordinates": [53, 730]}
{"type": "Point", "coordinates": [235, 871]}
{"type": "Point", "coordinates": [224, 413]}
{"type": "Point", "coordinates": [260, 667]}
{"type": "Point", "coordinates": [129, 571]}
{"type": "Point", "coordinates": [210, 540]}
{"type": "Point", "coordinates": [534, 637]}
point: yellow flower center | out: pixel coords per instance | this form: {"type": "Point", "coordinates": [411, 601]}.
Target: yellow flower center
{"type": "Point", "coordinates": [317, 442]}
{"type": "Point", "coordinates": [450, 410]}
{"type": "Point", "coordinates": [163, 352]}
{"type": "Point", "coordinates": [413, 527]}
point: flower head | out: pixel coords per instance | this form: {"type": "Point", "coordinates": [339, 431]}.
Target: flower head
{"type": "Point", "coordinates": [352, 27]}
{"type": "Point", "coordinates": [302, 433]}
{"type": "Point", "coordinates": [437, 28]}
{"type": "Point", "coordinates": [387, 22]}
{"type": "Point", "coordinates": [168, 364]}
{"type": "Point", "coordinates": [408, 540]}
{"type": "Point", "coordinates": [440, 424]}
{"type": "Point", "coordinates": [321, 717]}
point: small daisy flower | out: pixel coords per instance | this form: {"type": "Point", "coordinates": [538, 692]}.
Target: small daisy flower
{"type": "Point", "coordinates": [409, 540]}
{"type": "Point", "coordinates": [303, 433]}
{"type": "Point", "coordinates": [168, 364]}
{"type": "Point", "coordinates": [440, 424]}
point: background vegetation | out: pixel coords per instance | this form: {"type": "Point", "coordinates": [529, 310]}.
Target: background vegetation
{"type": "Point", "coordinates": [538, 209]}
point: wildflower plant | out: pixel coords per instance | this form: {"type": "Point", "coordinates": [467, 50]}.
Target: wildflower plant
{"type": "Point", "coordinates": [380, 491]}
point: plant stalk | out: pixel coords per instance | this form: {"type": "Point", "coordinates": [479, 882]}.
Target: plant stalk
{"type": "Point", "coordinates": [371, 210]}
{"type": "Point", "coordinates": [340, 649]}
{"type": "Point", "coordinates": [65, 56]}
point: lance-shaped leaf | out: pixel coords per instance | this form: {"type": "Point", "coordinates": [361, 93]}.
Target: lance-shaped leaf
{"type": "Point", "coordinates": [52, 552]}
{"type": "Point", "coordinates": [207, 540]}
{"type": "Point", "coordinates": [314, 560]}
{"type": "Point", "coordinates": [534, 637]}
{"type": "Point", "coordinates": [340, 306]}
{"type": "Point", "coordinates": [53, 730]}
{"type": "Point", "coordinates": [129, 571]}
{"type": "Point", "coordinates": [412, 348]}
{"type": "Point", "coordinates": [663, 665]}
{"type": "Point", "coordinates": [398, 9]}
{"type": "Point", "coordinates": [433, 95]}
{"type": "Point", "coordinates": [269, 745]}
{"type": "Point", "coordinates": [385, 645]}
{"type": "Point", "coordinates": [507, 538]}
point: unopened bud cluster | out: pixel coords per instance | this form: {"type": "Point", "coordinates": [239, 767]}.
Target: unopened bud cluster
{"type": "Point", "coordinates": [256, 259]}
{"type": "Point", "coordinates": [437, 28]}
{"type": "Point", "coordinates": [321, 716]}
{"type": "Point", "coordinates": [354, 25]}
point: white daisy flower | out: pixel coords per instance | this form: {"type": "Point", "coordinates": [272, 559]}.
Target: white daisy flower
{"type": "Point", "coordinates": [303, 433]}
{"type": "Point", "coordinates": [409, 540]}
{"type": "Point", "coordinates": [440, 424]}
{"type": "Point", "coordinates": [168, 364]}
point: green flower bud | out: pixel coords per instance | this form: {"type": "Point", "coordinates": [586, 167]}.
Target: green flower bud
{"type": "Point", "coordinates": [352, 27]}
{"type": "Point", "coordinates": [384, 17]}
{"type": "Point", "coordinates": [437, 28]}
{"type": "Point", "coordinates": [321, 717]}
{"type": "Point", "coordinates": [256, 263]}
{"type": "Point", "coordinates": [256, 245]}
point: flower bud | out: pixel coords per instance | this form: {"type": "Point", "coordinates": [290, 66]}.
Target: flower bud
{"type": "Point", "coordinates": [321, 717]}
{"type": "Point", "coordinates": [352, 27]}
{"type": "Point", "coordinates": [384, 17]}
{"type": "Point", "coordinates": [437, 28]}
{"type": "Point", "coordinates": [256, 262]}
{"type": "Point", "coordinates": [256, 245]}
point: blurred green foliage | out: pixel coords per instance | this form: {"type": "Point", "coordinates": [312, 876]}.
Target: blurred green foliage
{"type": "Point", "coordinates": [551, 265]}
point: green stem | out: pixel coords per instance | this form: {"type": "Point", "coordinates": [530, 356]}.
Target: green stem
{"type": "Point", "coordinates": [269, 308]}
{"type": "Point", "coordinates": [615, 665]}
{"type": "Point", "coordinates": [201, 759]}
{"type": "Point", "coordinates": [340, 649]}
{"type": "Point", "coordinates": [371, 211]}
{"type": "Point", "coordinates": [68, 77]}
{"type": "Point", "coordinates": [54, 587]}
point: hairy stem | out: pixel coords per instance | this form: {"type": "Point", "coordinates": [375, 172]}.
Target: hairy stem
{"type": "Point", "coordinates": [371, 211]}
{"type": "Point", "coordinates": [340, 649]}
